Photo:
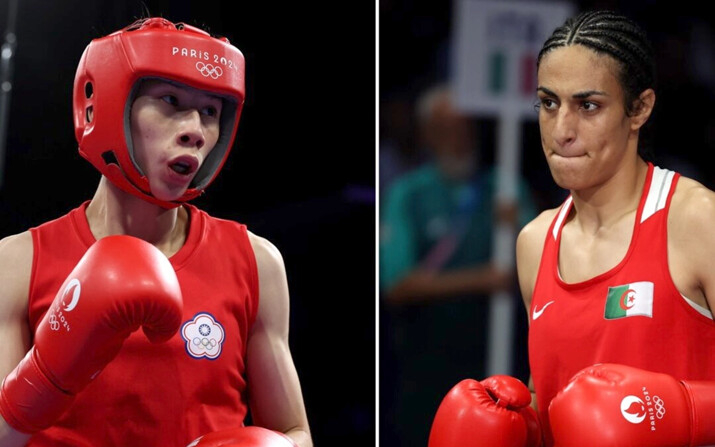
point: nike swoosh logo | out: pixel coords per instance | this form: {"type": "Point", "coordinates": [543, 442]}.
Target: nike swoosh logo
{"type": "Point", "coordinates": [537, 313]}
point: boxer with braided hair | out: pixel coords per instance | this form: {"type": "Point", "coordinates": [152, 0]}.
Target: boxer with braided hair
{"type": "Point", "coordinates": [615, 35]}
{"type": "Point", "coordinates": [616, 281]}
{"type": "Point", "coordinates": [156, 108]}
{"type": "Point", "coordinates": [619, 274]}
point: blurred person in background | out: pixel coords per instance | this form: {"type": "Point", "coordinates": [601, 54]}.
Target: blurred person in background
{"type": "Point", "coordinates": [436, 274]}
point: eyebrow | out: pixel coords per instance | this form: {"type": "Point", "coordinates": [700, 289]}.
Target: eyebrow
{"type": "Point", "coordinates": [579, 95]}
{"type": "Point", "coordinates": [160, 82]}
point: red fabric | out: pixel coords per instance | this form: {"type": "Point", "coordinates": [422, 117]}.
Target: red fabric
{"type": "Point", "coordinates": [571, 331]}
{"type": "Point", "coordinates": [171, 393]}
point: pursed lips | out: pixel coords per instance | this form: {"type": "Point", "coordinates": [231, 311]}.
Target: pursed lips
{"type": "Point", "coordinates": [567, 154]}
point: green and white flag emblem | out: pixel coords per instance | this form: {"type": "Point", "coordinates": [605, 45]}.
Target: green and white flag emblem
{"type": "Point", "coordinates": [630, 300]}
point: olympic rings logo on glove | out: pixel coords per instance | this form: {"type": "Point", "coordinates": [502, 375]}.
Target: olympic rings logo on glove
{"type": "Point", "coordinates": [54, 324]}
{"type": "Point", "coordinates": [208, 70]}
{"type": "Point", "coordinates": [659, 407]}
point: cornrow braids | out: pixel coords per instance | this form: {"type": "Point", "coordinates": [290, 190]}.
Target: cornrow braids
{"type": "Point", "coordinates": [613, 34]}
{"type": "Point", "coordinates": [607, 32]}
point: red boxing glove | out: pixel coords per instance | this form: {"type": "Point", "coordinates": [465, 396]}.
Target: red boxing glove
{"type": "Point", "coordinates": [493, 412]}
{"type": "Point", "coordinates": [617, 405]}
{"type": "Point", "coordinates": [120, 284]}
{"type": "Point", "coordinates": [244, 437]}
{"type": "Point", "coordinates": [510, 391]}
{"type": "Point", "coordinates": [534, 436]}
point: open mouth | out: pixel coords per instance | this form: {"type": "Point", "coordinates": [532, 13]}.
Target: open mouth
{"type": "Point", "coordinates": [184, 165]}
{"type": "Point", "coordinates": [181, 168]}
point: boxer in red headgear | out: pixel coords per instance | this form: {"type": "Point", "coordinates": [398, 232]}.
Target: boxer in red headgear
{"type": "Point", "coordinates": [156, 107]}
{"type": "Point", "coordinates": [110, 75]}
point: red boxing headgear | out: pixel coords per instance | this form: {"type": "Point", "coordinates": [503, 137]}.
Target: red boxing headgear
{"type": "Point", "coordinates": [105, 85]}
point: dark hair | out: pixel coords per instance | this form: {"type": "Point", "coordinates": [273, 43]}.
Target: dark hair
{"type": "Point", "coordinates": [608, 32]}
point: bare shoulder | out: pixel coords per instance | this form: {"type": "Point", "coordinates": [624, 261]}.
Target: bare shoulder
{"type": "Point", "coordinates": [15, 272]}
{"type": "Point", "coordinates": [16, 254]}
{"type": "Point", "coordinates": [692, 209]}
{"type": "Point", "coordinates": [268, 258]}
{"type": "Point", "coordinates": [17, 244]}
{"type": "Point", "coordinates": [691, 241]}
{"type": "Point", "coordinates": [532, 235]}
{"type": "Point", "coordinates": [273, 303]}
{"type": "Point", "coordinates": [529, 247]}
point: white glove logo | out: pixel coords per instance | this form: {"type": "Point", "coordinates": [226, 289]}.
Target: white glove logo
{"type": "Point", "coordinates": [204, 336]}
{"type": "Point", "coordinates": [57, 318]}
{"type": "Point", "coordinates": [633, 409]}
{"type": "Point", "coordinates": [76, 289]}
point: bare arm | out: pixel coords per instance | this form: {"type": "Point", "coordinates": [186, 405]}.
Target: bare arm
{"type": "Point", "coordinates": [275, 394]}
{"type": "Point", "coordinates": [529, 246]}
{"type": "Point", "coordinates": [691, 242]}
{"type": "Point", "coordinates": [15, 269]}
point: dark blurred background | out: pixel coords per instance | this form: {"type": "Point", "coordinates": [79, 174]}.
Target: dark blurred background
{"type": "Point", "coordinates": [414, 54]}
{"type": "Point", "coordinates": [301, 173]}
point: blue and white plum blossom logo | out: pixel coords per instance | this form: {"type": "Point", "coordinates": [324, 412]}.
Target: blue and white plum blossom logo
{"type": "Point", "coordinates": [204, 336]}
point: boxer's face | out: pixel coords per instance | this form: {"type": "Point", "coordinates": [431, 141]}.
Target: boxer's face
{"type": "Point", "coordinates": [173, 130]}
{"type": "Point", "coordinates": [585, 132]}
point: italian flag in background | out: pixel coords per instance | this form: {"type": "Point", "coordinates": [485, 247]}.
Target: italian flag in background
{"type": "Point", "coordinates": [628, 300]}
{"type": "Point", "coordinates": [498, 68]}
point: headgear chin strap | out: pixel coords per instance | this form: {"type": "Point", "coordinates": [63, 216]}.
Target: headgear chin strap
{"type": "Point", "coordinates": [105, 84]}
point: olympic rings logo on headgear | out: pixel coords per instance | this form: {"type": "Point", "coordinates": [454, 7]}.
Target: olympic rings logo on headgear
{"type": "Point", "coordinates": [209, 70]}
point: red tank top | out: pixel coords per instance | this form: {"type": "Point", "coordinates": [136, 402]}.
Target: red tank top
{"type": "Point", "coordinates": [166, 394]}
{"type": "Point", "coordinates": [632, 314]}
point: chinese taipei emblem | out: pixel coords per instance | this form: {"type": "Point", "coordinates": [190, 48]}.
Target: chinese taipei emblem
{"type": "Point", "coordinates": [204, 336]}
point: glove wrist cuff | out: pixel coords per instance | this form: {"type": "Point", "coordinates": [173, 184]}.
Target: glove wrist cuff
{"type": "Point", "coordinates": [29, 401]}
{"type": "Point", "coordinates": [701, 398]}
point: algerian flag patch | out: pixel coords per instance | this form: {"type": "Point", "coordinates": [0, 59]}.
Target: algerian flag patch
{"type": "Point", "coordinates": [629, 300]}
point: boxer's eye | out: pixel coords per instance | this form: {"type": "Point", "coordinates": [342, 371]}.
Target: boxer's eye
{"type": "Point", "coordinates": [546, 103]}
{"type": "Point", "coordinates": [589, 106]}
{"type": "Point", "coordinates": [170, 99]}
{"type": "Point", "coordinates": [209, 111]}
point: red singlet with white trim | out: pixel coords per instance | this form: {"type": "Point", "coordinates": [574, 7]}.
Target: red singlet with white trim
{"type": "Point", "coordinates": [166, 394]}
{"type": "Point", "coordinates": [632, 314]}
